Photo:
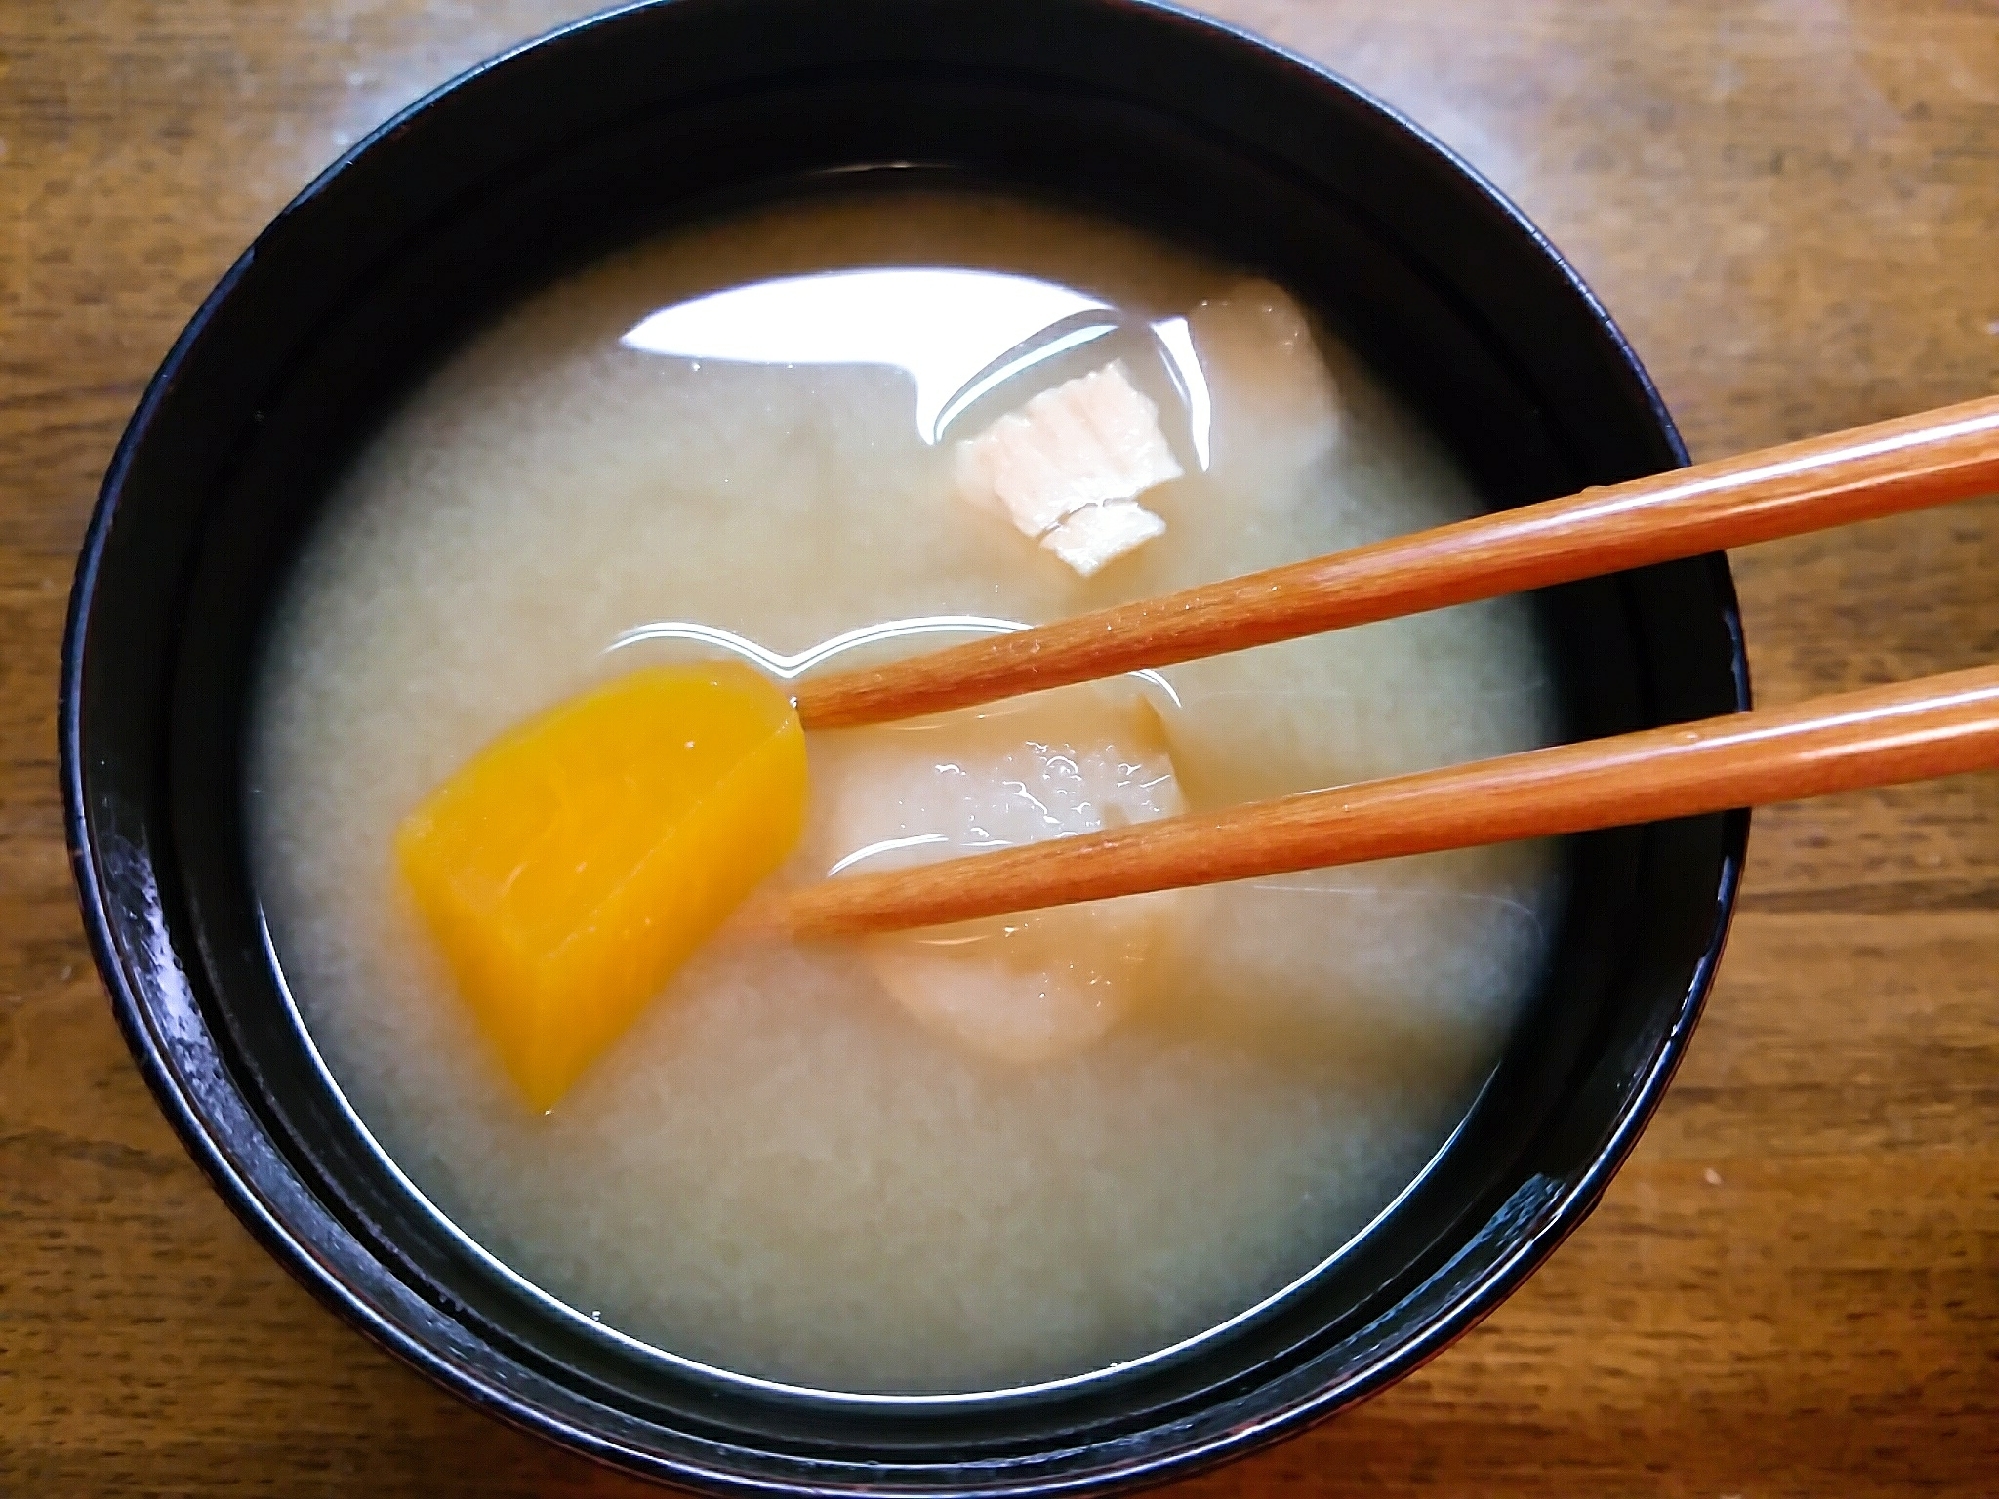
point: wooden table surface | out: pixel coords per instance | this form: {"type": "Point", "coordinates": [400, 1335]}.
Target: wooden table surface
{"type": "Point", "coordinates": [1792, 206]}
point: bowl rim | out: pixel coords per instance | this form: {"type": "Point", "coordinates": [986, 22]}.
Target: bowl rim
{"type": "Point", "coordinates": [189, 1107]}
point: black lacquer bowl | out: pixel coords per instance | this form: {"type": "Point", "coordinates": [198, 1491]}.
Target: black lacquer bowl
{"type": "Point", "coordinates": [617, 127]}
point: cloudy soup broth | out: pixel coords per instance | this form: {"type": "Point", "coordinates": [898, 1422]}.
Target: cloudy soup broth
{"type": "Point", "coordinates": [950, 1161]}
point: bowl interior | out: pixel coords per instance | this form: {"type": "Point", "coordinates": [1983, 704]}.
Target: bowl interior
{"type": "Point", "coordinates": [620, 127]}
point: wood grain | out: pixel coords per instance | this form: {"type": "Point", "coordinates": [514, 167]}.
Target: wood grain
{"type": "Point", "coordinates": [1936, 726]}
{"type": "Point", "coordinates": [1837, 479]}
{"type": "Point", "coordinates": [1791, 1288]}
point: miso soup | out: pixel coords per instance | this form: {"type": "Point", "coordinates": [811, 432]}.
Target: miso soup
{"type": "Point", "coordinates": [942, 1162]}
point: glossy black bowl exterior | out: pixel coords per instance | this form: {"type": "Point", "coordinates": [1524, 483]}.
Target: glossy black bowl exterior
{"type": "Point", "coordinates": [623, 124]}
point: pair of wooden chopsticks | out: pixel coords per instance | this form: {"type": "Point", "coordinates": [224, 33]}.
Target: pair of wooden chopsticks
{"type": "Point", "coordinates": [1882, 736]}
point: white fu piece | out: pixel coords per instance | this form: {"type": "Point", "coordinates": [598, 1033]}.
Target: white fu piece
{"type": "Point", "coordinates": [1068, 467]}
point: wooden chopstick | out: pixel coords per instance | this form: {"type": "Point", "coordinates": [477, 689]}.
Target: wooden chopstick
{"type": "Point", "coordinates": [1882, 736]}
{"type": "Point", "coordinates": [1908, 464]}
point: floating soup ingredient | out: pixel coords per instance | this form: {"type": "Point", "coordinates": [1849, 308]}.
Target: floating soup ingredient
{"type": "Point", "coordinates": [572, 865]}
{"type": "Point", "coordinates": [1068, 467]}
{"type": "Point", "coordinates": [1029, 988]}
